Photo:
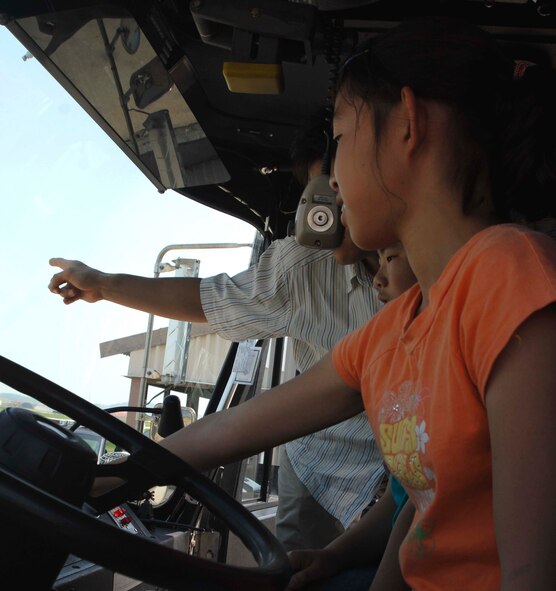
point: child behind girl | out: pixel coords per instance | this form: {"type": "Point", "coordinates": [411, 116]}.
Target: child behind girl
{"type": "Point", "coordinates": [350, 561]}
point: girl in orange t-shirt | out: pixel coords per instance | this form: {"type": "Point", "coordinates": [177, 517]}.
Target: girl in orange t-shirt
{"type": "Point", "coordinates": [437, 131]}
{"type": "Point", "coordinates": [441, 138]}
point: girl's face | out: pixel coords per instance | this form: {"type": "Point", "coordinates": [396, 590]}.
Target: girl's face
{"type": "Point", "coordinates": [369, 211]}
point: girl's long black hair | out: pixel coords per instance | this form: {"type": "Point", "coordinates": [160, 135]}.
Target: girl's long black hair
{"type": "Point", "coordinates": [501, 121]}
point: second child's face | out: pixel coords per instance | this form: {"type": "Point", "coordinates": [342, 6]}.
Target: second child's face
{"type": "Point", "coordinates": [394, 275]}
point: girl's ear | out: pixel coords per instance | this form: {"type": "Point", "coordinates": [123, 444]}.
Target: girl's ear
{"type": "Point", "coordinates": [416, 116]}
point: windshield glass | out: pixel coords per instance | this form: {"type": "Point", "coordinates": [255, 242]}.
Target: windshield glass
{"type": "Point", "coordinates": [69, 191]}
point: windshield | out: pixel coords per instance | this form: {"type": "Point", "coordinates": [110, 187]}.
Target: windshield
{"type": "Point", "coordinates": [69, 191]}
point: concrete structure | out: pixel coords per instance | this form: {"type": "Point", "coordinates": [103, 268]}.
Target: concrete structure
{"type": "Point", "coordinates": [206, 354]}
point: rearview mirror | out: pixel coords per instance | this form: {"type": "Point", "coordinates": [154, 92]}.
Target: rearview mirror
{"type": "Point", "coordinates": [149, 83]}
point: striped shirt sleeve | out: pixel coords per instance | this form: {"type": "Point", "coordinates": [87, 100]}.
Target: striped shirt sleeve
{"type": "Point", "coordinates": [252, 304]}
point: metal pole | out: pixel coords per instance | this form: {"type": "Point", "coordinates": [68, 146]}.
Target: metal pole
{"type": "Point", "coordinates": [148, 337]}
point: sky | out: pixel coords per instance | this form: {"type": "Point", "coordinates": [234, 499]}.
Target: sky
{"type": "Point", "coordinates": [68, 191]}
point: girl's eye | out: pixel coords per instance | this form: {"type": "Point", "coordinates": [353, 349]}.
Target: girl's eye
{"type": "Point", "coordinates": [390, 258]}
{"type": "Point", "coordinates": [336, 138]}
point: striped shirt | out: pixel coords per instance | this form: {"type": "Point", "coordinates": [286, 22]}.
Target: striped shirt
{"type": "Point", "coordinates": [304, 294]}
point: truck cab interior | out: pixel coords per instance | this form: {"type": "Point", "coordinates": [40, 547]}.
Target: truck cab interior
{"type": "Point", "coordinates": [205, 98]}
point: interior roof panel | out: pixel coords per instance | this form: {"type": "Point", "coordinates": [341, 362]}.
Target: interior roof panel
{"type": "Point", "coordinates": [253, 131]}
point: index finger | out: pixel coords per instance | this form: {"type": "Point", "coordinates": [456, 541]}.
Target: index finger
{"type": "Point", "coordinates": [59, 262]}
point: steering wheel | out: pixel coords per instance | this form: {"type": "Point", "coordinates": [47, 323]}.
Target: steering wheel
{"type": "Point", "coordinates": [148, 464]}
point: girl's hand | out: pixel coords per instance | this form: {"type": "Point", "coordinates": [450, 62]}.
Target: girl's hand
{"type": "Point", "coordinates": [107, 483]}
{"type": "Point", "coordinates": [311, 565]}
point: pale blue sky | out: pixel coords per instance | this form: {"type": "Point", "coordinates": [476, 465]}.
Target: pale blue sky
{"type": "Point", "coordinates": [68, 191]}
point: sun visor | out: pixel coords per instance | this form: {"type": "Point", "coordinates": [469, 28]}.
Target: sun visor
{"type": "Point", "coordinates": [253, 78]}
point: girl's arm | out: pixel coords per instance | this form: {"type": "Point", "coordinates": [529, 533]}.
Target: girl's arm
{"type": "Point", "coordinates": [364, 542]}
{"type": "Point", "coordinates": [312, 401]}
{"type": "Point", "coordinates": [389, 575]}
{"type": "Point", "coordinates": [521, 407]}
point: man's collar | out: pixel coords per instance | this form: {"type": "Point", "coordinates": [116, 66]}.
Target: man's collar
{"type": "Point", "coordinates": [357, 274]}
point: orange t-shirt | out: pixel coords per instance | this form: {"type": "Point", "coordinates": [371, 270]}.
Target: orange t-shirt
{"type": "Point", "coordinates": [423, 384]}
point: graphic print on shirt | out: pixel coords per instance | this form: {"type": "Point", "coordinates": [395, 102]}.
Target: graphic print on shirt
{"type": "Point", "coordinates": [420, 539]}
{"type": "Point", "coordinates": [404, 439]}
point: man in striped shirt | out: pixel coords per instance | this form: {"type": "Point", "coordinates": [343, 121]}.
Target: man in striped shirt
{"type": "Point", "coordinates": [314, 297]}
{"type": "Point", "coordinates": [325, 479]}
